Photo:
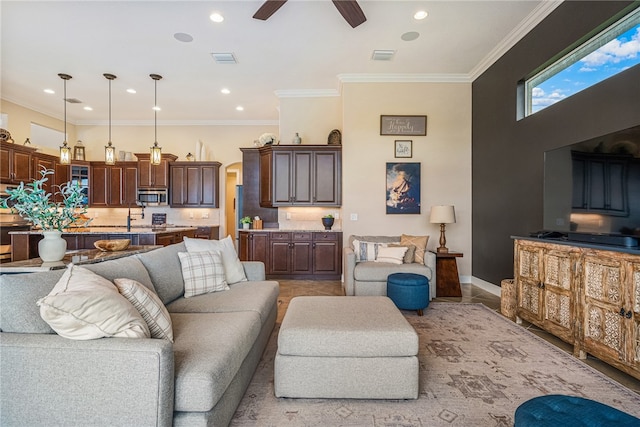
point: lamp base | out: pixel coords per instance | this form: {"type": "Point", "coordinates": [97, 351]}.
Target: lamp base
{"type": "Point", "coordinates": [443, 250]}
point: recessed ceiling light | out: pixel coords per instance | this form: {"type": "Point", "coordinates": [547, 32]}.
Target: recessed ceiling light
{"type": "Point", "coordinates": [240, 108]}
{"type": "Point", "coordinates": [157, 108]}
{"type": "Point", "coordinates": [225, 91]}
{"type": "Point", "coordinates": [49, 91]}
{"type": "Point", "coordinates": [409, 36]}
{"type": "Point", "coordinates": [216, 17]}
{"type": "Point", "coordinates": [131, 90]}
{"type": "Point", "coordinates": [421, 14]}
{"type": "Point", "coordinates": [183, 37]}
{"type": "Point", "coordinates": [87, 108]}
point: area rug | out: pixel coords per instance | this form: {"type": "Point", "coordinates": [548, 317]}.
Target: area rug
{"type": "Point", "coordinates": [476, 368]}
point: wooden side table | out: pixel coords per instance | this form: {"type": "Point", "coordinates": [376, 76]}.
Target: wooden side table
{"type": "Point", "coordinates": [447, 279]}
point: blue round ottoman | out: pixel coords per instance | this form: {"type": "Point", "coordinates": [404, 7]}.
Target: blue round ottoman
{"type": "Point", "coordinates": [408, 291]}
{"type": "Point", "coordinates": [557, 410]}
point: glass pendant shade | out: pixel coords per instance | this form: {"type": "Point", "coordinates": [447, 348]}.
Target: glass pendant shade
{"type": "Point", "coordinates": [78, 151]}
{"type": "Point", "coordinates": [110, 154]}
{"type": "Point", "coordinates": [65, 151]}
{"type": "Point", "coordinates": [156, 150]}
{"type": "Point", "coordinates": [109, 149]}
{"type": "Point", "coordinates": [65, 154]}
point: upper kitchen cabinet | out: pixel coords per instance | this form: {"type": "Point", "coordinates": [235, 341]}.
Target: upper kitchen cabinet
{"type": "Point", "coordinates": [15, 163]}
{"type": "Point", "coordinates": [153, 176]}
{"type": "Point", "coordinates": [113, 185]}
{"type": "Point", "coordinates": [194, 184]}
{"type": "Point", "coordinates": [301, 175]}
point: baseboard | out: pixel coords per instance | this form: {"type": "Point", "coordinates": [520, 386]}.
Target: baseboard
{"type": "Point", "coordinates": [482, 284]}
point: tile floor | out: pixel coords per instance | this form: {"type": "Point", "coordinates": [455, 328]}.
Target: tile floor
{"type": "Point", "coordinates": [470, 293]}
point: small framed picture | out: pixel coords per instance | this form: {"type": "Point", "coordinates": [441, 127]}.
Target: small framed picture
{"type": "Point", "coordinates": [403, 148]}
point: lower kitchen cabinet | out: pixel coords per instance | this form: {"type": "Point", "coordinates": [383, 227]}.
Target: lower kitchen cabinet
{"type": "Point", "coordinates": [294, 254]}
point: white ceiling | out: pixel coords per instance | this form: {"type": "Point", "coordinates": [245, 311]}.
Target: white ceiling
{"type": "Point", "coordinates": [305, 48]}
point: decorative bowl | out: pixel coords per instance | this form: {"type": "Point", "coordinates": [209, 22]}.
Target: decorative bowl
{"type": "Point", "coordinates": [112, 245]}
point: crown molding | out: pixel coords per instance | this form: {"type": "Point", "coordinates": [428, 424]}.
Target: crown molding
{"type": "Point", "coordinates": [536, 16]}
{"type": "Point", "coordinates": [179, 123]}
{"type": "Point", "coordinates": [306, 93]}
{"type": "Point", "coordinates": [404, 78]}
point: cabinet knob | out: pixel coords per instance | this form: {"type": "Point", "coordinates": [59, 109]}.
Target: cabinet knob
{"type": "Point", "coordinates": [629, 314]}
{"type": "Point", "coordinates": [541, 285]}
{"type": "Point", "coordinates": [622, 311]}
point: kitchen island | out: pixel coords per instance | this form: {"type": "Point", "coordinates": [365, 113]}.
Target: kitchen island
{"type": "Point", "coordinates": [24, 244]}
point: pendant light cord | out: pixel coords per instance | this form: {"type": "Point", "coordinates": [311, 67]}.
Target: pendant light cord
{"type": "Point", "coordinates": [155, 111]}
{"type": "Point", "coordinates": [64, 100]}
{"type": "Point", "coordinates": [109, 111]}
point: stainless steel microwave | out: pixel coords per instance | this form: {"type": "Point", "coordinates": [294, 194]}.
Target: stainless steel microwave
{"type": "Point", "coordinates": [153, 196]}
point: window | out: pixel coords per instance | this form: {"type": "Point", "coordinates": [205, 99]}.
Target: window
{"type": "Point", "coordinates": [610, 52]}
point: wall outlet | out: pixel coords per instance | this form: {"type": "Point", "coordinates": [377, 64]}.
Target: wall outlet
{"type": "Point", "coordinates": [205, 215]}
{"type": "Point", "coordinates": [288, 215]}
{"type": "Point", "coordinates": [354, 217]}
{"type": "Point", "coordinates": [190, 214]}
{"type": "Point", "coordinates": [336, 215]}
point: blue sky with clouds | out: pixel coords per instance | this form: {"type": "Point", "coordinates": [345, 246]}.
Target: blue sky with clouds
{"type": "Point", "coordinates": [619, 54]}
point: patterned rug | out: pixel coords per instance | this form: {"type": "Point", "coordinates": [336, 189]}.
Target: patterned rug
{"type": "Point", "coordinates": [476, 368]}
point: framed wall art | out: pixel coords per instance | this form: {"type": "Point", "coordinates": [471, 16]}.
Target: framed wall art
{"type": "Point", "coordinates": [403, 148]}
{"type": "Point", "coordinates": [403, 125]}
{"type": "Point", "coordinates": [403, 188]}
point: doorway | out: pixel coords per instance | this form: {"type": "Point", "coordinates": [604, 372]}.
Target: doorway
{"type": "Point", "coordinates": [233, 177]}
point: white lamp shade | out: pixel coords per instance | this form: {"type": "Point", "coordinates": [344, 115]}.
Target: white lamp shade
{"type": "Point", "coordinates": [442, 214]}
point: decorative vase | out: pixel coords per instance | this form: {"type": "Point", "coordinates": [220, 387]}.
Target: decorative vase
{"type": "Point", "coordinates": [245, 225]}
{"type": "Point", "coordinates": [52, 247]}
{"type": "Point", "coordinates": [297, 139]}
{"type": "Point", "coordinates": [328, 223]}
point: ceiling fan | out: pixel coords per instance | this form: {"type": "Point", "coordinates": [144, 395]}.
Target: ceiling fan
{"type": "Point", "coordinates": [349, 9]}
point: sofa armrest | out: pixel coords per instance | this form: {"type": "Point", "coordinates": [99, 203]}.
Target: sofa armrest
{"type": "Point", "coordinates": [254, 270]}
{"type": "Point", "coordinates": [349, 263]}
{"type": "Point", "coordinates": [430, 263]}
{"type": "Point", "coordinates": [49, 380]}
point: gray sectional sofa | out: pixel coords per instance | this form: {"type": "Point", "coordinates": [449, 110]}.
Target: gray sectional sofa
{"type": "Point", "coordinates": [198, 380]}
{"type": "Point", "coordinates": [370, 277]}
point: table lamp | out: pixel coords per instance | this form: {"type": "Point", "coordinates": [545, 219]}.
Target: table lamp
{"type": "Point", "coordinates": [442, 215]}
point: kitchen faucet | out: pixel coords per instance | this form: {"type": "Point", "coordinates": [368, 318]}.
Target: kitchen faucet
{"type": "Point", "coordinates": [129, 214]}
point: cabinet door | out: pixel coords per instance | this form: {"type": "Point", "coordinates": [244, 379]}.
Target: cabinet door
{"type": "Point", "coordinates": [259, 248]}
{"type": "Point", "coordinates": [144, 173]}
{"type": "Point", "coordinates": [301, 246]}
{"type": "Point", "coordinates": [48, 163]}
{"type": "Point", "coordinates": [22, 167]}
{"type": "Point", "coordinates": [528, 270]}
{"type": "Point", "coordinates": [602, 304]}
{"type": "Point", "coordinates": [282, 178]}
{"type": "Point", "coordinates": [279, 253]}
{"type": "Point", "coordinates": [178, 184]}
{"type": "Point", "coordinates": [327, 179]}
{"type": "Point", "coordinates": [192, 190]}
{"type": "Point", "coordinates": [632, 315]}
{"type": "Point", "coordinates": [130, 184]}
{"type": "Point", "coordinates": [209, 186]}
{"type": "Point", "coordinates": [327, 253]}
{"type": "Point", "coordinates": [558, 293]}
{"type": "Point", "coordinates": [301, 191]}
{"type": "Point", "coordinates": [5, 165]}
{"type": "Point", "coordinates": [99, 193]}
{"type": "Point", "coordinates": [116, 182]}
{"type": "Point", "coordinates": [165, 239]}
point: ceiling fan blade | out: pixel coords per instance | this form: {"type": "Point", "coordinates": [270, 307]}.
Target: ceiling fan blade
{"type": "Point", "coordinates": [351, 12]}
{"type": "Point", "coordinates": [268, 8]}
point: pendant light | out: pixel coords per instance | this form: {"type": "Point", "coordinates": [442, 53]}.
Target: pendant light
{"type": "Point", "coordinates": [156, 150]}
{"type": "Point", "coordinates": [65, 151]}
{"type": "Point", "coordinates": [109, 149]}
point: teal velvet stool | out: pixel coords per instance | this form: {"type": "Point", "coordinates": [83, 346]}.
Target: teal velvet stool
{"type": "Point", "coordinates": [556, 410]}
{"type": "Point", "coordinates": [409, 291]}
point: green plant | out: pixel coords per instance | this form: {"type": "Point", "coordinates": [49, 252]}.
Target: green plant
{"type": "Point", "coordinates": [328, 216]}
{"type": "Point", "coordinates": [34, 204]}
{"type": "Point", "coordinates": [246, 220]}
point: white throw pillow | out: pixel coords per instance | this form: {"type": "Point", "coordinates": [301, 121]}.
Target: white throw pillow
{"type": "Point", "coordinates": [233, 270]}
{"type": "Point", "coordinates": [149, 306]}
{"type": "Point", "coordinates": [202, 273]}
{"type": "Point", "coordinates": [366, 251]}
{"type": "Point", "coordinates": [393, 255]}
{"type": "Point", "coordinates": [85, 306]}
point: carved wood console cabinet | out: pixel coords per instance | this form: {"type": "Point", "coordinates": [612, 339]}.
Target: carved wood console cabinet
{"type": "Point", "coordinates": [588, 297]}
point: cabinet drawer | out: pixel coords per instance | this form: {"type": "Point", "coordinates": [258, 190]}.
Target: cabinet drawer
{"type": "Point", "coordinates": [325, 236]}
{"type": "Point", "coordinates": [280, 236]}
{"type": "Point", "coordinates": [301, 236]}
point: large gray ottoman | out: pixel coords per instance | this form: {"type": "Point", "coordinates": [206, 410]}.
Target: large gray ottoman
{"type": "Point", "coordinates": [346, 347]}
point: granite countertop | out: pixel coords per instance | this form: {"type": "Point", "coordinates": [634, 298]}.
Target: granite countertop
{"type": "Point", "coordinates": [113, 230]}
{"type": "Point", "coordinates": [78, 257]}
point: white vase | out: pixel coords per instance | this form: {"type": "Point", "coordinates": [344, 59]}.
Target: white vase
{"type": "Point", "coordinates": [245, 225]}
{"type": "Point", "coordinates": [53, 247]}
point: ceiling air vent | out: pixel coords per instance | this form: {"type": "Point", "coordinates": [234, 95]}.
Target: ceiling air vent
{"type": "Point", "coordinates": [73, 101]}
{"type": "Point", "coordinates": [383, 55]}
{"type": "Point", "coordinates": [224, 58]}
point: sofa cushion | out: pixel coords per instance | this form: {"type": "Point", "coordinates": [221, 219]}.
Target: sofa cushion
{"type": "Point", "coordinates": [233, 270]}
{"type": "Point", "coordinates": [375, 239]}
{"type": "Point", "coordinates": [128, 267]}
{"type": "Point", "coordinates": [366, 251]}
{"type": "Point", "coordinates": [85, 306]}
{"type": "Point", "coordinates": [409, 255]}
{"type": "Point", "coordinates": [393, 255]}
{"type": "Point", "coordinates": [209, 349]}
{"type": "Point", "coordinates": [18, 295]}
{"type": "Point", "coordinates": [370, 271]}
{"type": "Point", "coordinates": [420, 242]}
{"type": "Point", "coordinates": [202, 273]}
{"type": "Point", "coordinates": [165, 271]}
{"type": "Point", "coordinates": [259, 297]}
{"type": "Point", "coordinates": [149, 306]}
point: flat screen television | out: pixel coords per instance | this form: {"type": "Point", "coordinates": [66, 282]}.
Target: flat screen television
{"type": "Point", "coordinates": [592, 189]}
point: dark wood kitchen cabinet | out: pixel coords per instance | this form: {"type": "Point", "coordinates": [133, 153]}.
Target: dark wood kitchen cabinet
{"type": "Point", "coordinates": [15, 163]}
{"type": "Point", "coordinates": [305, 175]}
{"type": "Point", "coordinates": [113, 185]}
{"type": "Point", "coordinates": [47, 161]}
{"type": "Point", "coordinates": [194, 184]}
{"type": "Point", "coordinates": [294, 254]}
{"type": "Point", "coordinates": [154, 176]}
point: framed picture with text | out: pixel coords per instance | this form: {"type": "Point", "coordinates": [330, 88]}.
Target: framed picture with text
{"type": "Point", "coordinates": [403, 148]}
{"type": "Point", "coordinates": [403, 125]}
